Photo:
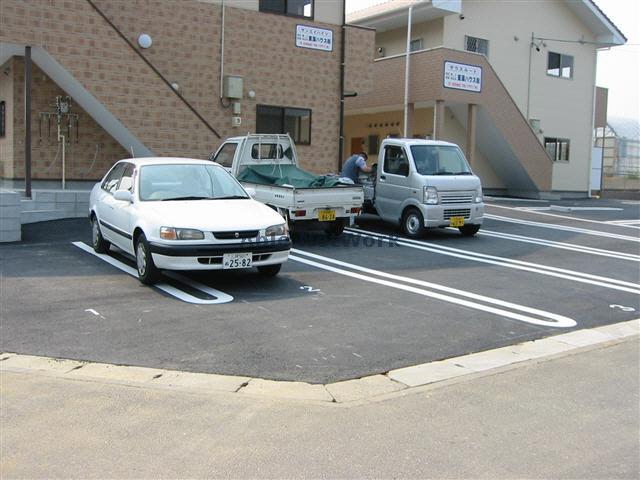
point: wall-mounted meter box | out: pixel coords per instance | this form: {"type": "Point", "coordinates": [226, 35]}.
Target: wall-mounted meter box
{"type": "Point", "coordinates": [233, 86]}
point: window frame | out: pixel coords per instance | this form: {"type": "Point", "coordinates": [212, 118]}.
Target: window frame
{"type": "Point", "coordinates": [466, 43]}
{"type": "Point", "coordinates": [282, 118]}
{"type": "Point", "coordinates": [420, 44]}
{"type": "Point", "coordinates": [558, 141]}
{"type": "Point", "coordinates": [225, 145]}
{"type": "Point", "coordinates": [386, 158]}
{"type": "Point", "coordinates": [286, 14]}
{"type": "Point", "coordinates": [119, 165]}
{"type": "Point", "coordinates": [570, 77]}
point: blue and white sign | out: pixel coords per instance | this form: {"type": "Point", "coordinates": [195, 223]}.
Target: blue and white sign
{"type": "Point", "coordinates": [314, 38]}
{"type": "Point", "coordinates": [462, 76]}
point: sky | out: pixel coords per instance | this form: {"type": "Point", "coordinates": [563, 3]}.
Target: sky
{"type": "Point", "coordinates": [618, 68]}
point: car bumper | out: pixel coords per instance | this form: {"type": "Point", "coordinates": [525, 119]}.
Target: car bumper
{"type": "Point", "coordinates": [440, 215]}
{"type": "Point", "coordinates": [209, 257]}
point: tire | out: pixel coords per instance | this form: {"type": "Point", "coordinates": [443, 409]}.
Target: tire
{"type": "Point", "coordinates": [100, 245]}
{"type": "Point", "coordinates": [270, 270]}
{"type": "Point", "coordinates": [335, 229]}
{"type": "Point", "coordinates": [413, 223]}
{"type": "Point", "coordinates": [148, 273]}
{"type": "Point", "coordinates": [469, 230]}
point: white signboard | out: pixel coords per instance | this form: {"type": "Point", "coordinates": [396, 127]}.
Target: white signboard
{"type": "Point", "coordinates": [314, 38]}
{"type": "Point", "coordinates": [462, 76]}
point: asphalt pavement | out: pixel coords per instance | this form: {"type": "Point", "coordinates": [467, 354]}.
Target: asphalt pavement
{"type": "Point", "coordinates": [365, 303]}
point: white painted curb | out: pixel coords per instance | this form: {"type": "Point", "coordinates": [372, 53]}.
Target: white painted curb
{"type": "Point", "coordinates": [361, 389]}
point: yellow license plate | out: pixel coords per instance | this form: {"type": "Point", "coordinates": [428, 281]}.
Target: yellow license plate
{"type": "Point", "coordinates": [456, 221]}
{"type": "Point", "coordinates": [326, 215]}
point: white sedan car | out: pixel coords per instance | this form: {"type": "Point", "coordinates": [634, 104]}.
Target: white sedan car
{"type": "Point", "coordinates": [183, 214]}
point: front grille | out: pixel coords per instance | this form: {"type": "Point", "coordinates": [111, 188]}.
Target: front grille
{"type": "Point", "coordinates": [210, 260]}
{"type": "Point", "coordinates": [235, 235]}
{"type": "Point", "coordinates": [459, 212]}
{"type": "Point", "coordinates": [452, 198]}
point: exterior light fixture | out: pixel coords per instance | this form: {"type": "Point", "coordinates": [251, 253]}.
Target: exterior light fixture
{"type": "Point", "coordinates": [144, 40]}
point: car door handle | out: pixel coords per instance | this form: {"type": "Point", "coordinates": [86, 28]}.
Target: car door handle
{"type": "Point", "coordinates": [382, 177]}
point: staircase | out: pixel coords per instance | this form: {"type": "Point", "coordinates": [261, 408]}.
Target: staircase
{"type": "Point", "coordinates": [504, 136]}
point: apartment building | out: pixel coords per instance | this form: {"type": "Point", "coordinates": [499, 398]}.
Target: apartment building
{"type": "Point", "coordinates": [112, 78]}
{"type": "Point", "coordinates": [511, 82]}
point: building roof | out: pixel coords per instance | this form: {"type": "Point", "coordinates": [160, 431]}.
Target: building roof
{"type": "Point", "coordinates": [625, 127]}
{"type": "Point", "coordinates": [389, 14]}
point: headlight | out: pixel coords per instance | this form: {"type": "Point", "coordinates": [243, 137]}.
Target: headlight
{"type": "Point", "coordinates": [478, 197]}
{"type": "Point", "coordinates": [170, 233]}
{"type": "Point", "coordinates": [281, 230]}
{"type": "Point", "coordinates": [430, 195]}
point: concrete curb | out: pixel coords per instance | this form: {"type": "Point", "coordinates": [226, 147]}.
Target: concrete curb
{"type": "Point", "coordinates": [380, 386]}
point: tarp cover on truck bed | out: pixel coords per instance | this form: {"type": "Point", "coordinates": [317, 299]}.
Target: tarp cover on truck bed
{"type": "Point", "coordinates": [286, 174]}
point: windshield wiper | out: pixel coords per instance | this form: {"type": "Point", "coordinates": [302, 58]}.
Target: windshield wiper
{"type": "Point", "coordinates": [452, 173]}
{"type": "Point", "coordinates": [231, 197]}
{"type": "Point", "coordinates": [187, 198]}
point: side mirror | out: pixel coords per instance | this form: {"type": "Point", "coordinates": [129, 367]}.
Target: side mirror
{"type": "Point", "coordinates": [250, 191]}
{"type": "Point", "coordinates": [123, 196]}
{"type": "Point", "coordinates": [212, 157]}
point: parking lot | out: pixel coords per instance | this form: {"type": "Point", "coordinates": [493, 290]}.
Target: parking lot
{"type": "Point", "coordinates": [364, 303]}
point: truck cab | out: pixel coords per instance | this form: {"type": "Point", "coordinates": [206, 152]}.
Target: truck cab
{"type": "Point", "coordinates": [422, 184]}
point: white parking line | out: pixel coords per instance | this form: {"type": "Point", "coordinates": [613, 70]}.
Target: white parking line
{"type": "Point", "coordinates": [562, 227]}
{"type": "Point", "coordinates": [505, 262]}
{"type": "Point", "coordinates": [519, 209]}
{"type": "Point", "coordinates": [562, 245]}
{"type": "Point", "coordinates": [519, 312]}
{"type": "Point", "coordinates": [220, 297]}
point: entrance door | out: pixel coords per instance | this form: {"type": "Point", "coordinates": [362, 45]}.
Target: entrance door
{"type": "Point", "coordinates": [356, 145]}
{"type": "Point", "coordinates": [392, 187]}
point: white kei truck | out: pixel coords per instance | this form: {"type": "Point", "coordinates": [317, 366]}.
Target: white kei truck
{"type": "Point", "coordinates": [422, 184]}
{"type": "Point", "coordinates": [267, 166]}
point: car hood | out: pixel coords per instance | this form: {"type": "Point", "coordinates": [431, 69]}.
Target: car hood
{"type": "Point", "coordinates": [215, 215]}
{"type": "Point", "coordinates": [453, 182]}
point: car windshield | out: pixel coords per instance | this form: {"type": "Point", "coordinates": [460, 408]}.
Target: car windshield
{"type": "Point", "coordinates": [187, 182]}
{"type": "Point", "coordinates": [439, 160]}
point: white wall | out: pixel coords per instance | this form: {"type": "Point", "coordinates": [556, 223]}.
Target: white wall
{"type": "Point", "coordinates": [395, 41]}
{"type": "Point", "coordinates": [564, 107]}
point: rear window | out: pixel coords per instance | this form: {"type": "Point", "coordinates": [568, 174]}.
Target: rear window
{"type": "Point", "coordinates": [266, 151]}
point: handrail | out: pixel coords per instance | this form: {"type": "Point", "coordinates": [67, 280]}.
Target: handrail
{"type": "Point", "coordinates": [157, 72]}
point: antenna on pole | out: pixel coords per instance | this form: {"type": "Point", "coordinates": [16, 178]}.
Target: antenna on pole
{"type": "Point", "coordinates": [133, 155]}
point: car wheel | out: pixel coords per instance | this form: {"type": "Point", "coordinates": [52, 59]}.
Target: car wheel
{"type": "Point", "coordinates": [469, 230]}
{"type": "Point", "coordinates": [100, 245]}
{"type": "Point", "coordinates": [413, 223]}
{"type": "Point", "coordinates": [270, 270]}
{"type": "Point", "coordinates": [148, 273]}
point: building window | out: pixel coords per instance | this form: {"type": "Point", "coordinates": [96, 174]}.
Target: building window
{"type": "Point", "coordinates": [294, 121]}
{"type": "Point", "coordinates": [478, 45]}
{"type": "Point", "coordinates": [557, 148]}
{"type": "Point", "coordinates": [293, 8]}
{"type": "Point", "coordinates": [416, 45]}
{"type": "Point", "coordinates": [560, 65]}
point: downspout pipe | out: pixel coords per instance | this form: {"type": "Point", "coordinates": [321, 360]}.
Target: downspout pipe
{"type": "Point", "coordinates": [342, 73]}
{"type": "Point", "coordinates": [406, 75]}
{"type": "Point", "coordinates": [27, 121]}
{"type": "Point", "coordinates": [222, 52]}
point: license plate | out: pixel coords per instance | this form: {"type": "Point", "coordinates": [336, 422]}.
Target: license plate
{"type": "Point", "coordinates": [456, 221]}
{"type": "Point", "coordinates": [326, 215]}
{"type": "Point", "coordinates": [236, 260]}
